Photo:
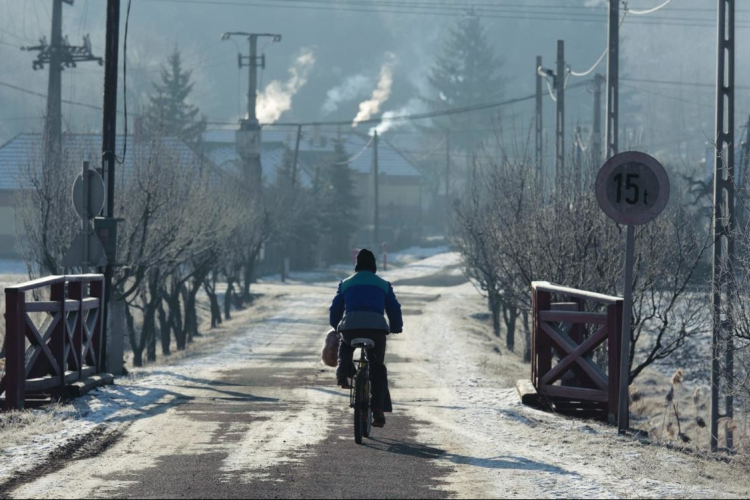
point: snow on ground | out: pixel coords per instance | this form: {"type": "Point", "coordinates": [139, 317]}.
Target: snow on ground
{"type": "Point", "coordinates": [457, 386]}
{"type": "Point", "coordinates": [413, 254]}
{"type": "Point", "coordinates": [412, 263]}
{"type": "Point", "coordinates": [147, 389]}
{"type": "Point", "coordinates": [12, 266]}
{"type": "Point", "coordinates": [510, 450]}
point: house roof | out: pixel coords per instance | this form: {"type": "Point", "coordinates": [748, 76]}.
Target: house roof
{"type": "Point", "coordinates": [25, 150]}
{"type": "Point", "coordinates": [316, 148]}
{"type": "Point", "coordinates": [226, 158]}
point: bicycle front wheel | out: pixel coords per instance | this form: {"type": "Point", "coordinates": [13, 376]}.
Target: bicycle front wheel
{"type": "Point", "coordinates": [361, 408]}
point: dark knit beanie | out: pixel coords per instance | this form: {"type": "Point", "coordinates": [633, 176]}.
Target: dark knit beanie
{"type": "Point", "coordinates": [366, 261]}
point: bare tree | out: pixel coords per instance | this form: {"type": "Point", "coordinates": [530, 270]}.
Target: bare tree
{"type": "Point", "coordinates": [511, 231]}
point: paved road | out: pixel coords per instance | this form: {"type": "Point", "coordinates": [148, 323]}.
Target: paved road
{"type": "Point", "coordinates": [259, 417]}
{"type": "Point", "coordinates": [274, 428]}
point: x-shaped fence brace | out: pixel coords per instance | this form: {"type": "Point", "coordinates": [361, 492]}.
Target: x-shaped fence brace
{"type": "Point", "coordinates": [67, 350]}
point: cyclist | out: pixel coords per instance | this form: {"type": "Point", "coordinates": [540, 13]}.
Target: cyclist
{"type": "Point", "coordinates": [358, 311]}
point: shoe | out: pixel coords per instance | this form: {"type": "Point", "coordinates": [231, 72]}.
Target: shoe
{"type": "Point", "coordinates": [378, 419]}
{"type": "Point", "coordinates": [343, 382]}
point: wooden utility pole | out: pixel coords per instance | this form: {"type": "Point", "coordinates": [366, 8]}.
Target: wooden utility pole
{"type": "Point", "coordinates": [285, 249]}
{"type": "Point", "coordinates": [109, 139]}
{"type": "Point", "coordinates": [560, 78]}
{"type": "Point", "coordinates": [538, 119]}
{"type": "Point", "coordinates": [723, 227]}
{"type": "Point", "coordinates": [613, 77]}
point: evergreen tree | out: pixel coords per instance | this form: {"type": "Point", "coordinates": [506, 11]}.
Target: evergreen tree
{"type": "Point", "coordinates": [465, 74]}
{"type": "Point", "coordinates": [168, 112]}
{"type": "Point", "coordinates": [338, 204]}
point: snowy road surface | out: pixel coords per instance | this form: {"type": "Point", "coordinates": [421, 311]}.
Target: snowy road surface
{"type": "Point", "coordinates": [259, 416]}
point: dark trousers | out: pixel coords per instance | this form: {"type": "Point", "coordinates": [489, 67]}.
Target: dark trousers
{"type": "Point", "coordinates": [381, 396]}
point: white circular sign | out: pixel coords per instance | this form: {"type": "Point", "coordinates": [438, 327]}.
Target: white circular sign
{"type": "Point", "coordinates": [632, 188]}
{"type": "Point", "coordinates": [96, 194]}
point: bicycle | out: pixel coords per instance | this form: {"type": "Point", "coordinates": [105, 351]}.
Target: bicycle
{"type": "Point", "coordinates": [360, 397]}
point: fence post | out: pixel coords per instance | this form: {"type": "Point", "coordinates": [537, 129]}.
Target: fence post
{"type": "Point", "coordinates": [75, 292]}
{"type": "Point", "coordinates": [96, 289]}
{"type": "Point", "coordinates": [544, 348]}
{"type": "Point", "coordinates": [58, 341]}
{"type": "Point", "coordinates": [15, 350]}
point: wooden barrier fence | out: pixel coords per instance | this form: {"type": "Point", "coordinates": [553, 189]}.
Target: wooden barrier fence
{"type": "Point", "coordinates": [568, 326]}
{"type": "Point", "coordinates": [69, 347]}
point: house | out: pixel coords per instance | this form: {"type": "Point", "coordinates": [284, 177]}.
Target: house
{"type": "Point", "coordinates": [399, 182]}
{"type": "Point", "coordinates": [25, 151]}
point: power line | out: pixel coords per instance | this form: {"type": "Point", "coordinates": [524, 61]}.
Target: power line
{"type": "Point", "coordinates": [670, 97]}
{"type": "Point", "coordinates": [497, 12]}
{"type": "Point", "coordinates": [423, 116]}
{"type": "Point", "coordinates": [44, 96]}
{"type": "Point", "coordinates": [679, 83]}
{"type": "Point", "coordinates": [648, 11]}
{"type": "Point", "coordinates": [10, 45]}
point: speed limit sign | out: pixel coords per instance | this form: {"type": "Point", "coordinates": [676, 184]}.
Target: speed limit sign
{"type": "Point", "coordinates": [632, 188]}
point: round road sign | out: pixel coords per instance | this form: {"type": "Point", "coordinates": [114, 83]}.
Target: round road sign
{"type": "Point", "coordinates": [632, 188]}
{"type": "Point", "coordinates": [96, 194]}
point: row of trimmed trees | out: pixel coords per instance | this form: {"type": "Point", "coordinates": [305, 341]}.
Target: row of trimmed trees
{"type": "Point", "coordinates": [187, 227]}
{"type": "Point", "coordinates": [511, 231]}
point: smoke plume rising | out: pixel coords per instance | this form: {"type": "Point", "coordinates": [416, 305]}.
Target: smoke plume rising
{"type": "Point", "coordinates": [353, 87]}
{"type": "Point", "coordinates": [277, 96]}
{"type": "Point", "coordinates": [381, 93]}
{"type": "Point", "coordinates": [415, 105]}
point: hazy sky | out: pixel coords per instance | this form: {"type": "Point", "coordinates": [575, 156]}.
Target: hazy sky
{"type": "Point", "coordinates": [350, 41]}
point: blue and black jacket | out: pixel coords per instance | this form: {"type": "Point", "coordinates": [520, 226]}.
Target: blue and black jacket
{"type": "Point", "coordinates": [362, 300]}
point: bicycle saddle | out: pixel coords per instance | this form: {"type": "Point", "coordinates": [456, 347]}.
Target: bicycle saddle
{"type": "Point", "coordinates": [363, 343]}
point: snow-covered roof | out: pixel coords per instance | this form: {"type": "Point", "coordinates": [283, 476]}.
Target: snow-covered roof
{"type": "Point", "coordinates": [316, 148]}
{"type": "Point", "coordinates": [25, 150]}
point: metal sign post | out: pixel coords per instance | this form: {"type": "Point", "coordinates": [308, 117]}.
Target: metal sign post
{"type": "Point", "coordinates": [632, 188]}
{"type": "Point", "coordinates": [88, 200]}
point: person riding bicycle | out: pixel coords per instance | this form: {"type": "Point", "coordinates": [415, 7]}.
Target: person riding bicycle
{"type": "Point", "coordinates": [358, 311]}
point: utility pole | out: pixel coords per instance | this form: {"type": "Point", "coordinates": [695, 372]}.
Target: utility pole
{"type": "Point", "coordinates": [560, 78]}
{"type": "Point", "coordinates": [613, 77]}
{"type": "Point", "coordinates": [723, 225]}
{"type": "Point", "coordinates": [538, 118]}
{"type": "Point", "coordinates": [58, 54]}
{"type": "Point", "coordinates": [376, 199]}
{"type": "Point", "coordinates": [578, 161]}
{"type": "Point", "coordinates": [286, 244]}
{"type": "Point", "coordinates": [248, 136]}
{"type": "Point", "coordinates": [296, 156]}
{"type": "Point", "coordinates": [106, 227]}
{"type": "Point", "coordinates": [596, 138]}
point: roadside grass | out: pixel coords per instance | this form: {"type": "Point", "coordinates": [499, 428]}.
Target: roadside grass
{"type": "Point", "coordinates": [22, 427]}
{"type": "Point", "coordinates": [674, 410]}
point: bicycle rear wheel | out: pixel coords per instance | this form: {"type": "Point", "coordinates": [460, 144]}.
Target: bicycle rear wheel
{"type": "Point", "coordinates": [367, 412]}
{"type": "Point", "coordinates": [361, 408]}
